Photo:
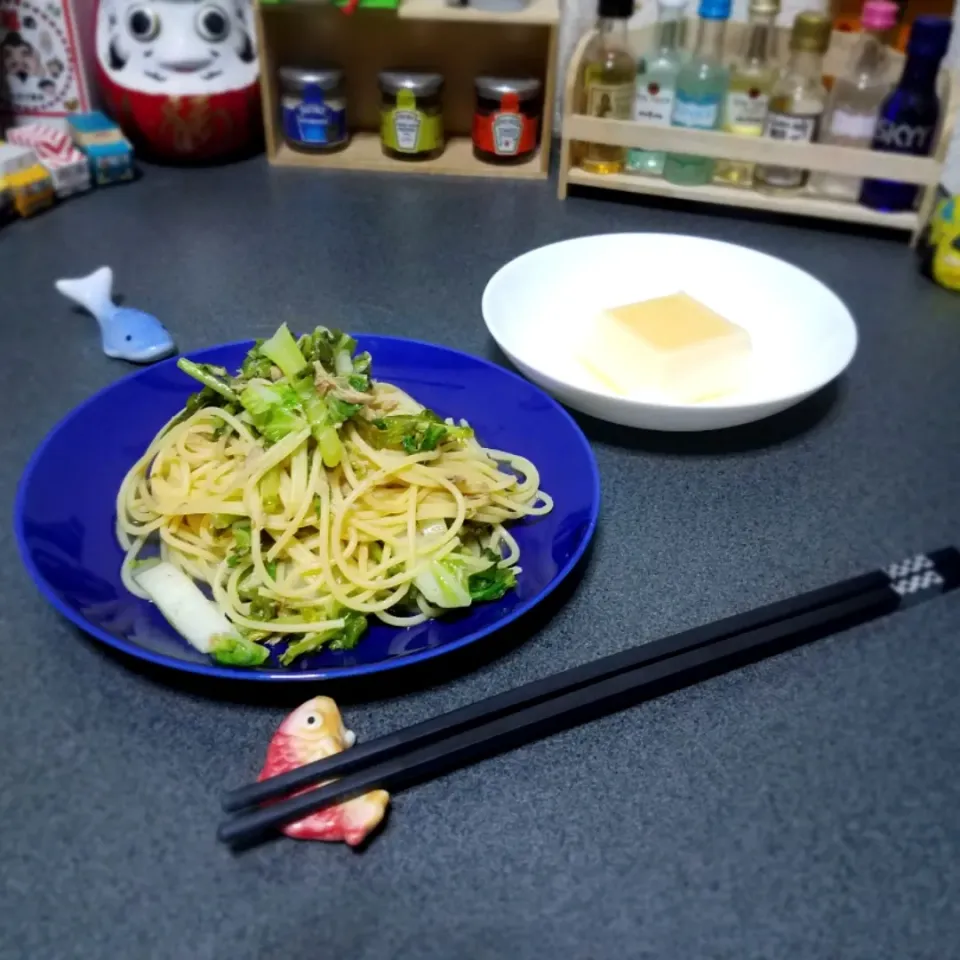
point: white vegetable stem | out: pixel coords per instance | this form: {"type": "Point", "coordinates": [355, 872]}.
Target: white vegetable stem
{"type": "Point", "coordinates": [189, 612]}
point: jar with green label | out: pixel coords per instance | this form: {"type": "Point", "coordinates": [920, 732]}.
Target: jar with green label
{"type": "Point", "coordinates": [411, 115]}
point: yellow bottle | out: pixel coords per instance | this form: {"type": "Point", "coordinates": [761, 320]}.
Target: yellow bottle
{"type": "Point", "coordinates": [751, 81]}
{"type": "Point", "coordinates": [608, 82]}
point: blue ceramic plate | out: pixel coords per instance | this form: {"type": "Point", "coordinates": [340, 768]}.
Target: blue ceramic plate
{"type": "Point", "coordinates": [64, 513]}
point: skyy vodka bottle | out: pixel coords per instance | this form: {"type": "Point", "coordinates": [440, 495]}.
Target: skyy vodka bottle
{"type": "Point", "coordinates": [910, 115]}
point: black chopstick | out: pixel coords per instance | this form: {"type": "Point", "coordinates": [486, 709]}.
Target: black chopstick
{"type": "Point", "coordinates": [448, 724]}
{"type": "Point", "coordinates": [586, 702]}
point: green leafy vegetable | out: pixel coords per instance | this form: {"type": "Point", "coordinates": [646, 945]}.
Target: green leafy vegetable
{"type": "Point", "coordinates": [492, 583]}
{"type": "Point", "coordinates": [214, 378]}
{"type": "Point", "coordinates": [362, 362]}
{"type": "Point", "coordinates": [270, 491]}
{"type": "Point", "coordinates": [445, 583]}
{"type": "Point", "coordinates": [322, 424]}
{"type": "Point", "coordinates": [282, 349]}
{"type": "Point", "coordinates": [274, 408]}
{"type": "Point", "coordinates": [342, 638]}
{"type": "Point", "coordinates": [256, 364]}
{"type": "Point", "coordinates": [263, 608]}
{"type": "Point", "coordinates": [427, 439]}
{"type": "Point", "coordinates": [237, 651]}
{"type": "Point", "coordinates": [340, 410]}
{"type": "Point", "coordinates": [308, 643]}
{"type": "Point", "coordinates": [241, 543]}
{"type": "Point", "coordinates": [197, 401]}
{"type": "Point", "coordinates": [334, 350]}
{"type": "Point", "coordinates": [412, 433]}
{"type": "Point", "coordinates": [348, 636]}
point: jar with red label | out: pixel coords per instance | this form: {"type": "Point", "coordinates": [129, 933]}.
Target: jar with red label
{"type": "Point", "coordinates": [506, 123]}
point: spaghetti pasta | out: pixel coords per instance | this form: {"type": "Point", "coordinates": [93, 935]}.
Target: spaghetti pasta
{"type": "Point", "coordinates": [307, 497]}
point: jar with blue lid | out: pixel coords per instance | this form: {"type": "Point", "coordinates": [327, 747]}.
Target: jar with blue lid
{"type": "Point", "coordinates": [314, 108]}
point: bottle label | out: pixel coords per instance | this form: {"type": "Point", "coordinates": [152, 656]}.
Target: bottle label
{"type": "Point", "coordinates": [653, 103]}
{"type": "Point", "coordinates": [853, 126]}
{"type": "Point", "coordinates": [746, 108]}
{"type": "Point", "coordinates": [903, 137]}
{"type": "Point", "coordinates": [700, 114]}
{"type": "Point", "coordinates": [505, 134]}
{"type": "Point", "coordinates": [313, 121]}
{"type": "Point", "coordinates": [408, 128]}
{"type": "Point", "coordinates": [787, 126]}
{"type": "Point", "coordinates": [611, 100]}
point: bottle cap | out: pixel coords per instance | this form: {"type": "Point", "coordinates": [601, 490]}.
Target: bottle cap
{"type": "Point", "coordinates": [672, 4]}
{"type": "Point", "coordinates": [879, 15]}
{"type": "Point", "coordinates": [811, 32]}
{"type": "Point", "coordinates": [929, 37]}
{"type": "Point", "coordinates": [714, 10]}
{"type": "Point", "coordinates": [615, 9]}
{"type": "Point", "coordinates": [765, 7]}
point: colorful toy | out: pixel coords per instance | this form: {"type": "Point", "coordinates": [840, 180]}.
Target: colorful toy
{"type": "Point", "coordinates": [180, 77]}
{"type": "Point", "coordinates": [47, 66]}
{"type": "Point", "coordinates": [30, 186]}
{"type": "Point", "coordinates": [127, 334]}
{"type": "Point", "coordinates": [940, 245]}
{"type": "Point", "coordinates": [67, 166]}
{"type": "Point", "coordinates": [313, 731]}
{"type": "Point", "coordinates": [107, 151]}
{"type": "Point", "coordinates": [6, 204]}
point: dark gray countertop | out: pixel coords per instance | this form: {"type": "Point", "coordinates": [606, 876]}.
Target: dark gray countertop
{"type": "Point", "coordinates": [807, 807]}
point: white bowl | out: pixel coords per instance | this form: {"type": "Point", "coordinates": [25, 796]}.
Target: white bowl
{"type": "Point", "coordinates": [540, 307]}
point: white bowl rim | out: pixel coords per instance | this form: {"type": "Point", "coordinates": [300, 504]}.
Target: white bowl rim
{"type": "Point", "coordinates": [797, 395]}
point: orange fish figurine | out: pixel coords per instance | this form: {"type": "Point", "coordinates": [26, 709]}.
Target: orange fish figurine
{"type": "Point", "coordinates": [313, 731]}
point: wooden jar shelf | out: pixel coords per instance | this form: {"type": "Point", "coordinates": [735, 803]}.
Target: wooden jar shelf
{"type": "Point", "coordinates": [460, 43]}
{"type": "Point", "coordinates": [579, 129]}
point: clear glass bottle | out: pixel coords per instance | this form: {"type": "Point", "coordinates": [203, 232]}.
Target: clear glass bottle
{"type": "Point", "coordinates": [701, 84]}
{"type": "Point", "coordinates": [656, 82]}
{"type": "Point", "coordinates": [608, 81]}
{"type": "Point", "coordinates": [911, 114]}
{"type": "Point", "coordinates": [751, 82]}
{"type": "Point", "coordinates": [798, 99]}
{"type": "Point", "coordinates": [857, 95]}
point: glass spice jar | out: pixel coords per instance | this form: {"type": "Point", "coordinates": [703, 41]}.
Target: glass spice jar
{"type": "Point", "coordinates": [314, 108]}
{"type": "Point", "coordinates": [506, 122]}
{"type": "Point", "coordinates": [411, 115]}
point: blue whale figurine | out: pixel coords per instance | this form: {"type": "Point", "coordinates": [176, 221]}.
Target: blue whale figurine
{"type": "Point", "coordinates": [127, 334]}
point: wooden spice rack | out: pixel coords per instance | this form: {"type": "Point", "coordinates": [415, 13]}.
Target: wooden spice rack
{"type": "Point", "coordinates": [461, 43]}
{"type": "Point", "coordinates": [579, 129]}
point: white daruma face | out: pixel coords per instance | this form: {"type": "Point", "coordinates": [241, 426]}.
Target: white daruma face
{"type": "Point", "coordinates": [177, 47]}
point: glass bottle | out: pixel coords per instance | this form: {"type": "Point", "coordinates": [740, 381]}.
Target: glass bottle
{"type": "Point", "coordinates": [857, 95]}
{"type": "Point", "coordinates": [751, 82]}
{"type": "Point", "coordinates": [608, 81]}
{"type": "Point", "coordinates": [701, 84]}
{"type": "Point", "coordinates": [656, 81]}
{"type": "Point", "coordinates": [798, 98]}
{"type": "Point", "coordinates": [909, 116]}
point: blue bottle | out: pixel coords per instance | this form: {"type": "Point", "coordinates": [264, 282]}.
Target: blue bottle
{"type": "Point", "coordinates": [909, 116]}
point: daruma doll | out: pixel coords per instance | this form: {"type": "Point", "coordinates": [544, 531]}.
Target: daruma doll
{"type": "Point", "coordinates": [181, 76]}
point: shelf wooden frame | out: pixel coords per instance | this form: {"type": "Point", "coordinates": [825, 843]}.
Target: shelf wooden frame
{"type": "Point", "coordinates": [461, 43]}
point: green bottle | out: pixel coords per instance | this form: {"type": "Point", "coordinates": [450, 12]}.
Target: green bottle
{"type": "Point", "coordinates": [701, 86]}
{"type": "Point", "coordinates": [656, 82]}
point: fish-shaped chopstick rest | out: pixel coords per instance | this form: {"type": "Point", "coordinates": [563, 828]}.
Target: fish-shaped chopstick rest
{"type": "Point", "coordinates": [127, 334]}
{"type": "Point", "coordinates": [313, 731]}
